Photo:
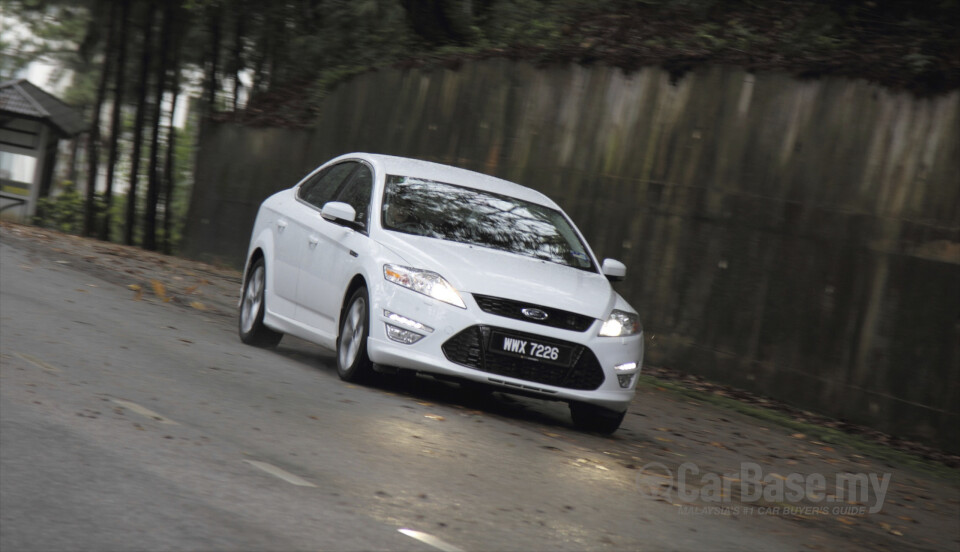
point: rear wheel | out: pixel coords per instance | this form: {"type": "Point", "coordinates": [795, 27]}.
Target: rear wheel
{"type": "Point", "coordinates": [595, 418]}
{"type": "Point", "coordinates": [353, 364]}
{"type": "Point", "coordinates": [252, 308]}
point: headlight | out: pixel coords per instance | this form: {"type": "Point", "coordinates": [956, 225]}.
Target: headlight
{"type": "Point", "coordinates": [425, 282]}
{"type": "Point", "coordinates": [621, 324]}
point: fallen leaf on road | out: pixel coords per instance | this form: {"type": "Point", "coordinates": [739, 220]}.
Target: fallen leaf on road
{"type": "Point", "coordinates": [137, 289]}
{"type": "Point", "coordinates": [846, 521]}
{"type": "Point", "coordinates": [158, 288]}
{"type": "Point", "coordinates": [435, 417]}
{"type": "Point", "coordinates": [798, 435]}
{"type": "Point", "coordinates": [198, 305]}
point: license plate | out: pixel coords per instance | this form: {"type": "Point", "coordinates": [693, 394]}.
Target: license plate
{"type": "Point", "coordinates": [531, 349]}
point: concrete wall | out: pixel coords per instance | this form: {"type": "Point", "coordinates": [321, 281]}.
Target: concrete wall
{"type": "Point", "coordinates": [800, 239]}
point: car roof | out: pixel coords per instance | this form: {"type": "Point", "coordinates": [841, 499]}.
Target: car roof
{"type": "Point", "coordinates": [405, 166]}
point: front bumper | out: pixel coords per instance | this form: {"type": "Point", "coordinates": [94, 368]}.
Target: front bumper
{"type": "Point", "coordinates": [455, 327]}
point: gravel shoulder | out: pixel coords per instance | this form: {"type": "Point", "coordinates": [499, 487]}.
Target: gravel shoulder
{"type": "Point", "coordinates": [149, 276]}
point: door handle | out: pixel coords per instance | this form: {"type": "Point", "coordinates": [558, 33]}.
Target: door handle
{"type": "Point", "coordinates": [314, 240]}
{"type": "Point", "coordinates": [281, 225]}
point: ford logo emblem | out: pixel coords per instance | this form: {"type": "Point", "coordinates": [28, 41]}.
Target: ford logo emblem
{"type": "Point", "coordinates": [535, 314]}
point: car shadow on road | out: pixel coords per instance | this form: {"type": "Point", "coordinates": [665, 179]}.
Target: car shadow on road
{"type": "Point", "coordinates": [545, 414]}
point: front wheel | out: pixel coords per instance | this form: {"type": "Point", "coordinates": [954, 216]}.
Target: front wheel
{"type": "Point", "coordinates": [595, 418]}
{"type": "Point", "coordinates": [252, 330]}
{"type": "Point", "coordinates": [353, 364]}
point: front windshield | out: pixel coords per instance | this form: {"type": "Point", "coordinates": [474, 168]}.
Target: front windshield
{"type": "Point", "coordinates": [466, 215]}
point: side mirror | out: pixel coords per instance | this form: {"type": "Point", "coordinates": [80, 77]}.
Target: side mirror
{"type": "Point", "coordinates": [341, 213]}
{"type": "Point", "coordinates": [614, 270]}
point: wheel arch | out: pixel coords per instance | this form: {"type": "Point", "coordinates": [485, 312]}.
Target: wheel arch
{"type": "Point", "coordinates": [252, 258]}
{"type": "Point", "coordinates": [357, 282]}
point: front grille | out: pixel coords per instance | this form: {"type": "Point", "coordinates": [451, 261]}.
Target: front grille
{"type": "Point", "coordinates": [470, 348]}
{"type": "Point", "coordinates": [556, 318]}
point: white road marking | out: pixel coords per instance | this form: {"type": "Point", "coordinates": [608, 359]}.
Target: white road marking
{"type": "Point", "coordinates": [143, 411]}
{"type": "Point", "coordinates": [282, 474]}
{"type": "Point", "coordinates": [38, 363]}
{"type": "Point", "coordinates": [430, 540]}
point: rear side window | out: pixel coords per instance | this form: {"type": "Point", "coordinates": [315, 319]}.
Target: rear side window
{"type": "Point", "coordinates": [321, 188]}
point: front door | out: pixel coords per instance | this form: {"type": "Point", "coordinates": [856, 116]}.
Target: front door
{"type": "Point", "coordinates": [332, 255]}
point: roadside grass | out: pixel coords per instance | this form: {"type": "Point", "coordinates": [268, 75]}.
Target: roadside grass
{"type": "Point", "coordinates": [867, 447]}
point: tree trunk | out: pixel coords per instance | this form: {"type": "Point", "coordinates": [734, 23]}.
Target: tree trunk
{"type": "Point", "coordinates": [145, 61]}
{"type": "Point", "coordinates": [90, 208]}
{"type": "Point", "coordinates": [169, 172]}
{"type": "Point", "coordinates": [239, 32]}
{"type": "Point", "coordinates": [117, 114]}
{"type": "Point", "coordinates": [72, 161]}
{"type": "Point", "coordinates": [153, 179]}
{"type": "Point", "coordinates": [214, 14]}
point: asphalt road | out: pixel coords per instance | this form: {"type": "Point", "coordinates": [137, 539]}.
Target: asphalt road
{"type": "Point", "coordinates": [144, 425]}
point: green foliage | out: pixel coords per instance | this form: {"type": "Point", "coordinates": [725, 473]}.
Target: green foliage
{"type": "Point", "coordinates": [63, 212]}
{"type": "Point", "coordinates": [523, 23]}
{"type": "Point", "coordinates": [56, 31]}
{"type": "Point", "coordinates": [186, 144]}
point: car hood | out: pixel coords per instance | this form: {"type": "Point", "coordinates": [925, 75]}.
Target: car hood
{"type": "Point", "coordinates": [470, 269]}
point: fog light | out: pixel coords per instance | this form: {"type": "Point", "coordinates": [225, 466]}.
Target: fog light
{"type": "Point", "coordinates": [625, 373]}
{"type": "Point", "coordinates": [401, 335]}
{"type": "Point", "coordinates": [627, 368]}
{"type": "Point", "coordinates": [403, 320]}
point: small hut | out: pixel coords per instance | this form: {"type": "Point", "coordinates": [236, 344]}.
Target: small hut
{"type": "Point", "coordinates": [32, 122]}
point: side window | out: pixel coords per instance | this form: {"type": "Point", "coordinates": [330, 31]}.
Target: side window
{"type": "Point", "coordinates": [356, 192]}
{"type": "Point", "coordinates": [321, 188]}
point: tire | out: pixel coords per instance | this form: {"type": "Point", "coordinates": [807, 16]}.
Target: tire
{"type": "Point", "coordinates": [593, 418]}
{"type": "Point", "coordinates": [252, 307]}
{"type": "Point", "coordinates": [353, 364]}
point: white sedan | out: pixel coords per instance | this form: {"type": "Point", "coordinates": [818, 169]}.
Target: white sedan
{"type": "Point", "coordinates": [417, 266]}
